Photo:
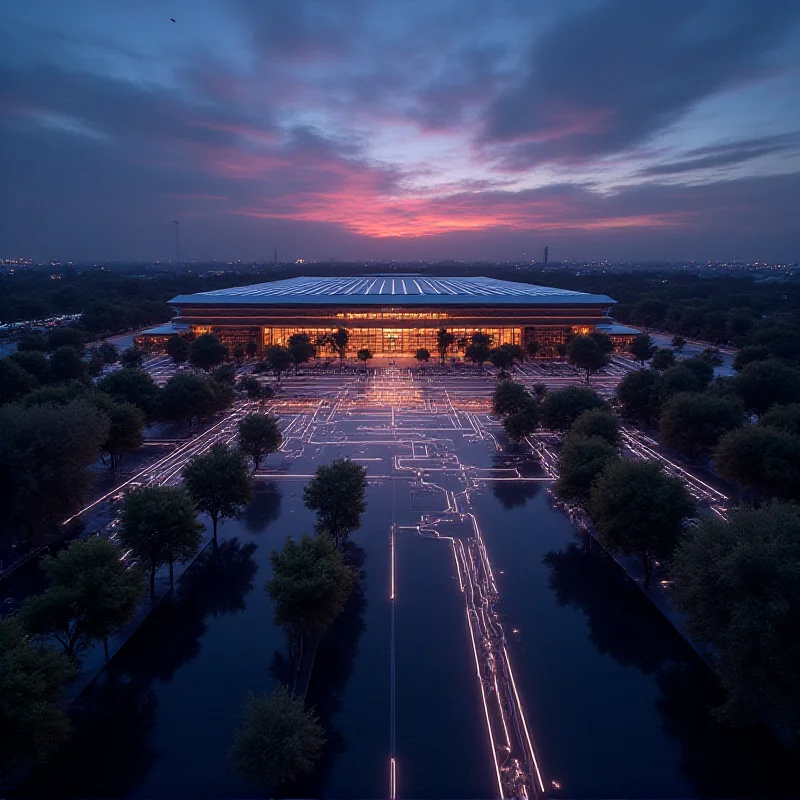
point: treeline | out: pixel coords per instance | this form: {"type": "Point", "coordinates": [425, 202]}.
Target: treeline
{"type": "Point", "coordinates": [721, 310]}
{"type": "Point", "coordinates": [108, 301]}
{"type": "Point", "coordinates": [735, 582]}
{"type": "Point", "coordinates": [93, 593]}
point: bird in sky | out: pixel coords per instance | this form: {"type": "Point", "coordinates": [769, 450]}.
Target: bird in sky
{"type": "Point", "coordinates": [171, 20]}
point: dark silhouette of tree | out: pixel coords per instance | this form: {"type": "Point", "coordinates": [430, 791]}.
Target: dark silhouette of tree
{"type": "Point", "coordinates": [132, 358]}
{"type": "Point", "coordinates": [762, 384]}
{"type": "Point", "coordinates": [336, 493]}
{"type": "Point", "coordinates": [126, 427]}
{"type": "Point", "coordinates": [177, 349]}
{"type": "Point", "coordinates": [159, 525]}
{"type": "Point", "coordinates": [15, 381]}
{"type": "Point", "coordinates": [597, 422]}
{"type": "Point", "coordinates": [639, 511]}
{"type": "Point", "coordinates": [259, 435]}
{"type": "Point", "coordinates": [225, 375]}
{"type": "Point", "coordinates": [339, 341]}
{"type": "Point", "coordinates": [580, 462]}
{"type": "Point", "coordinates": [561, 407]}
{"type": "Point", "coordinates": [785, 418]}
{"type": "Point", "coordinates": [186, 398]}
{"type": "Point", "coordinates": [219, 483]}
{"type": "Point", "coordinates": [364, 354]}
{"type": "Point", "coordinates": [301, 349]}
{"type": "Point", "coordinates": [35, 363]}
{"type": "Point", "coordinates": [444, 341]}
{"type": "Point", "coordinates": [423, 355]}
{"type": "Point", "coordinates": [66, 364]}
{"type": "Point", "coordinates": [279, 740]}
{"type": "Point", "coordinates": [677, 379]}
{"type": "Point", "coordinates": [91, 595]}
{"type": "Point", "coordinates": [531, 349]}
{"type": "Point", "coordinates": [589, 353]}
{"type": "Point", "coordinates": [31, 680]}
{"type": "Point", "coordinates": [642, 348]}
{"type": "Point", "coordinates": [279, 359]}
{"type": "Point", "coordinates": [663, 358]}
{"type": "Point", "coordinates": [638, 394]}
{"type": "Point", "coordinates": [692, 422]}
{"type": "Point", "coordinates": [479, 348]}
{"type": "Point", "coordinates": [132, 386]}
{"type": "Point", "coordinates": [762, 459]}
{"type": "Point", "coordinates": [738, 583]}
{"type": "Point", "coordinates": [207, 351]}
{"type": "Point", "coordinates": [521, 424]}
{"type": "Point", "coordinates": [510, 397]}
{"type": "Point", "coordinates": [251, 348]}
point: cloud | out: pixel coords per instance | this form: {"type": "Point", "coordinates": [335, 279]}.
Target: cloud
{"type": "Point", "coordinates": [605, 80]}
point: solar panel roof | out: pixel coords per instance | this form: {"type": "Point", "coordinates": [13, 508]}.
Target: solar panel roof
{"type": "Point", "coordinates": [392, 290]}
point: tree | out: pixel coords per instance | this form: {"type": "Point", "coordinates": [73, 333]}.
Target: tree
{"type": "Point", "coordinates": [521, 424]}
{"type": "Point", "coordinates": [678, 342]}
{"type": "Point", "coordinates": [251, 348]}
{"type": "Point", "coordinates": [185, 398]}
{"type": "Point", "coordinates": [108, 352]}
{"type": "Point", "coordinates": [691, 421]}
{"type": "Point", "coordinates": [132, 358]}
{"type": "Point", "coordinates": [159, 526]}
{"type": "Point", "coordinates": [364, 354]}
{"type": "Point", "coordinates": [301, 349]}
{"type": "Point", "coordinates": [679, 378]}
{"type": "Point", "coordinates": [278, 742]}
{"type": "Point", "coordinates": [423, 355]}
{"type": "Point", "coordinates": [279, 359]}
{"type": "Point", "coordinates": [225, 374]}
{"type": "Point", "coordinates": [91, 595]}
{"type": "Point", "coordinates": [238, 353]}
{"type": "Point", "coordinates": [581, 460]}
{"type": "Point", "coordinates": [586, 353]}
{"type": "Point", "coordinates": [259, 435]}
{"type": "Point", "coordinates": [702, 367]}
{"type": "Point", "coordinates": [561, 407]}
{"type": "Point", "coordinates": [762, 384]}
{"type": "Point", "coordinates": [764, 460]}
{"type": "Point", "coordinates": [639, 511]}
{"type": "Point", "coordinates": [531, 348]}
{"type": "Point", "coordinates": [15, 382]}
{"type": "Point", "coordinates": [711, 355]}
{"type": "Point", "coordinates": [218, 483]}
{"type": "Point", "coordinates": [133, 386]}
{"type": "Point", "coordinates": [177, 348]}
{"type": "Point", "coordinates": [309, 586]}
{"type": "Point", "coordinates": [785, 418]}
{"type": "Point", "coordinates": [737, 583]}
{"type": "Point", "coordinates": [34, 362]}
{"type": "Point", "coordinates": [444, 341]}
{"type": "Point", "coordinates": [32, 724]}
{"type": "Point", "coordinates": [65, 336]}
{"type": "Point", "coordinates": [642, 348]}
{"type": "Point", "coordinates": [339, 340]}
{"type": "Point", "coordinates": [126, 427]}
{"type": "Point", "coordinates": [479, 348]}
{"type": "Point", "coordinates": [66, 364]}
{"type": "Point", "coordinates": [251, 387]}
{"type": "Point", "coordinates": [32, 340]}
{"type": "Point", "coordinates": [663, 358]}
{"type": "Point", "coordinates": [45, 456]}
{"type": "Point", "coordinates": [510, 397]}
{"type": "Point", "coordinates": [747, 355]}
{"type": "Point", "coordinates": [207, 351]}
{"type": "Point", "coordinates": [501, 358]}
{"type": "Point", "coordinates": [336, 493]}
{"type": "Point", "coordinates": [597, 422]}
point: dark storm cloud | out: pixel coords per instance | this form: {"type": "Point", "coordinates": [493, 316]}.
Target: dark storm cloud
{"type": "Point", "coordinates": [608, 79]}
{"type": "Point", "coordinates": [727, 155]}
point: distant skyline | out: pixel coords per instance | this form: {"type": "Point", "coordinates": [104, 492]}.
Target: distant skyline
{"type": "Point", "coordinates": [428, 129]}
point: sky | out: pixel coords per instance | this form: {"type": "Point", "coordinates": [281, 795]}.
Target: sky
{"type": "Point", "coordinates": [419, 129]}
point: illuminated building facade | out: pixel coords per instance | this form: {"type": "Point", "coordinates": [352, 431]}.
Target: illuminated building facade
{"type": "Point", "coordinates": [392, 314]}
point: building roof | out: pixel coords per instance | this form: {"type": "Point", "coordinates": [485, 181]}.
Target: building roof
{"type": "Point", "coordinates": [370, 290]}
{"type": "Point", "coordinates": [167, 329]}
{"type": "Point", "coordinates": [615, 329]}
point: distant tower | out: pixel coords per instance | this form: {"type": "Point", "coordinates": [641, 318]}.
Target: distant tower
{"type": "Point", "coordinates": [546, 251]}
{"type": "Point", "coordinates": [177, 244]}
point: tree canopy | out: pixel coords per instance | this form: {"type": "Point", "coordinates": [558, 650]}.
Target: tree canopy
{"type": "Point", "coordinates": [219, 483]}
{"type": "Point", "coordinates": [581, 460]}
{"type": "Point", "coordinates": [278, 742]}
{"type": "Point", "coordinates": [32, 724]}
{"type": "Point", "coordinates": [597, 422]}
{"type": "Point", "coordinates": [91, 594]}
{"type": "Point", "coordinates": [692, 422]}
{"type": "Point", "coordinates": [133, 386]}
{"type": "Point", "coordinates": [738, 585]}
{"type": "Point", "coordinates": [510, 397]}
{"type": "Point", "coordinates": [589, 353]}
{"type": "Point", "coordinates": [423, 355]}
{"type": "Point", "coordinates": [663, 358]}
{"type": "Point", "coordinates": [638, 394]}
{"type": "Point", "coordinates": [786, 418]}
{"type": "Point", "coordinates": [336, 493]}
{"type": "Point", "coordinates": [642, 348]}
{"type": "Point", "coordinates": [561, 407]}
{"type": "Point", "coordinates": [762, 384]}
{"type": "Point", "coordinates": [479, 348]}
{"type": "Point", "coordinates": [639, 511]}
{"type": "Point", "coordinates": [159, 526]}
{"type": "Point", "coordinates": [764, 460]}
{"type": "Point", "coordinates": [259, 435]}
{"type": "Point", "coordinates": [444, 341]}
{"type": "Point", "coordinates": [177, 348]}
{"type": "Point", "coordinates": [207, 351]}
{"type": "Point", "coordinates": [301, 349]}
{"type": "Point", "coordinates": [279, 359]}
{"type": "Point", "coordinates": [185, 398]}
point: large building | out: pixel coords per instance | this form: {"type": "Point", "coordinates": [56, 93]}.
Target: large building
{"type": "Point", "coordinates": [392, 314]}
